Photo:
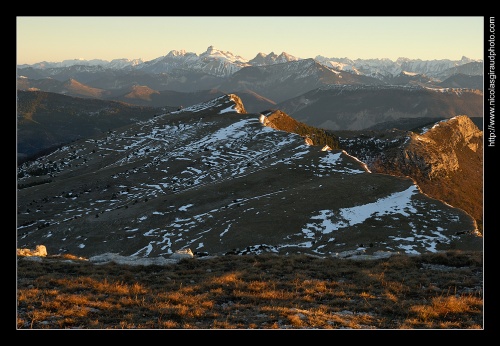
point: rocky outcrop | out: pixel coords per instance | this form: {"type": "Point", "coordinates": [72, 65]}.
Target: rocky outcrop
{"type": "Point", "coordinates": [278, 120]}
{"type": "Point", "coordinates": [135, 260]}
{"type": "Point", "coordinates": [239, 108]}
{"type": "Point", "coordinates": [445, 160]}
{"type": "Point", "coordinates": [437, 152]}
{"type": "Point", "coordinates": [39, 251]}
{"type": "Point", "coordinates": [281, 121]}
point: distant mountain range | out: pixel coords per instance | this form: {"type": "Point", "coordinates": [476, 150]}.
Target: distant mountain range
{"type": "Point", "coordinates": [352, 107]}
{"type": "Point", "coordinates": [220, 63]}
{"type": "Point", "coordinates": [275, 78]}
{"type": "Point", "coordinates": [218, 180]}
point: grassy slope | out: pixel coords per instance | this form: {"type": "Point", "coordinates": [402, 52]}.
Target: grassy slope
{"type": "Point", "coordinates": [432, 291]}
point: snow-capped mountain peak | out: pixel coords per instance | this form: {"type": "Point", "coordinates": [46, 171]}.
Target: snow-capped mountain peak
{"type": "Point", "coordinates": [214, 53]}
{"type": "Point", "coordinates": [262, 59]}
{"type": "Point", "coordinates": [174, 53]}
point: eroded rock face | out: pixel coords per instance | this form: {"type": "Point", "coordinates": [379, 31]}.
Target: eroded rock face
{"type": "Point", "coordinates": [238, 104]}
{"type": "Point", "coordinates": [435, 153]}
{"type": "Point", "coordinates": [423, 156]}
{"type": "Point", "coordinates": [281, 121]}
{"type": "Point", "coordinates": [445, 159]}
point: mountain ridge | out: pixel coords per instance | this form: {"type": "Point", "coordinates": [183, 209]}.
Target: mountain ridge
{"type": "Point", "coordinates": [42, 119]}
{"type": "Point", "coordinates": [212, 178]}
{"type": "Point", "coordinates": [353, 107]}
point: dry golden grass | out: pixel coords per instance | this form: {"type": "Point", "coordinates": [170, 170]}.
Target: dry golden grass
{"type": "Point", "coordinates": [433, 291]}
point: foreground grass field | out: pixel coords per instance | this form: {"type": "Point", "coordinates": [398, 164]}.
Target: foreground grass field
{"type": "Point", "coordinates": [433, 291]}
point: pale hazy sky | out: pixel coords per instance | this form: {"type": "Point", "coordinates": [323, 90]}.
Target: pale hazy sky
{"type": "Point", "coordinates": [54, 39]}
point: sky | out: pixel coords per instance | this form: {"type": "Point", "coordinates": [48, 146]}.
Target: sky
{"type": "Point", "coordinates": [54, 39]}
